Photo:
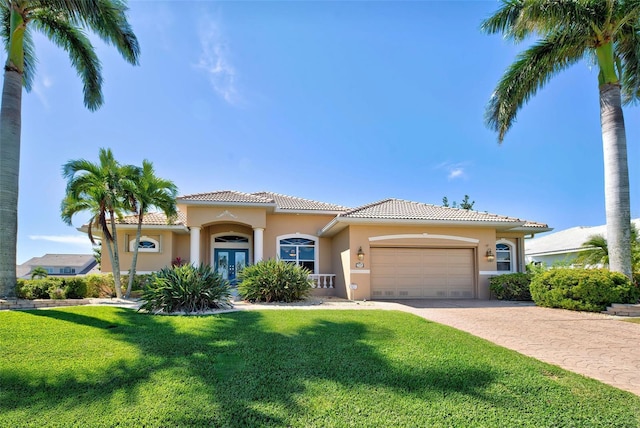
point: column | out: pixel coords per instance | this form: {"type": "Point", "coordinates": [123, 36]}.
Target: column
{"type": "Point", "coordinates": [195, 245]}
{"type": "Point", "coordinates": [258, 244]}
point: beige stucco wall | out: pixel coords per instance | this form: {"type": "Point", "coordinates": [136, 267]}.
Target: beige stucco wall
{"type": "Point", "coordinates": [181, 247]}
{"type": "Point", "coordinates": [147, 262]}
{"type": "Point", "coordinates": [340, 247]}
{"type": "Point", "coordinates": [285, 224]}
{"type": "Point", "coordinates": [203, 216]}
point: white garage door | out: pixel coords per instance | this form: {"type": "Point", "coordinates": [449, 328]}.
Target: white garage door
{"type": "Point", "coordinates": [414, 273]}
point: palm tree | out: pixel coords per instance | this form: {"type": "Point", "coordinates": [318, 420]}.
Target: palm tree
{"type": "Point", "coordinates": [597, 250]}
{"type": "Point", "coordinates": [63, 22]}
{"type": "Point", "coordinates": [606, 31]}
{"type": "Point", "coordinates": [100, 189]}
{"type": "Point", "coordinates": [150, 191]}
{"type": "Point", "coordinates": [39, 272]}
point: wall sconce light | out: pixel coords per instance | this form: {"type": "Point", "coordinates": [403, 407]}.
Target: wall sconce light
{"type": "Point", "coordinates": [490, 256]}
{"type": "Point", "coordinates": [360, 254]}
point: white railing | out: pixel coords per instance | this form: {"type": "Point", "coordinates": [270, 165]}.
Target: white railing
{"type": "Point", "coordinates": [323, 280]}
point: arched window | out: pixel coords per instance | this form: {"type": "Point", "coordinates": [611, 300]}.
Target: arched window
{"type": "Point", "coordinates": [504, 257]}
{"type": "Point", "coordinates": [299, 249]}
{"type": "Point", "coordinates": [146, 245]}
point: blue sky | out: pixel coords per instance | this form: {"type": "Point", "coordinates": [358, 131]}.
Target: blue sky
{"type": "Point", "coordinates": [343, 102]}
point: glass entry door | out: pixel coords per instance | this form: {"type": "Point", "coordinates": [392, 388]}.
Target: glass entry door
{"type": "Point", "coordinates": [229, 263]}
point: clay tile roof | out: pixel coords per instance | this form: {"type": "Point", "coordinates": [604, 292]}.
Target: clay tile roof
{"type": "Point", "coordinates": [226, 196]}
{"type": "Point", "coordinates": [285, 202]}
{"type": "Point", "coordinates": [407, 210]}
{"type": "Point", "coordinates": [154, 219]}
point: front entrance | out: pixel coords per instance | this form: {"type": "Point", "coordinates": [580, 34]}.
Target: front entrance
{"type": "Point", "coordinates": [229, 262]}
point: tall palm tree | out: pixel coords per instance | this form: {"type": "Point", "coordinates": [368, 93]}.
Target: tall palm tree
{"type": "Point", "coordinates": [99, 188]}
{"type": "Point", "coordinates": [63, 22]}
{"type": "Point", "coordinates": [608, 33]}
{"type": "Point", "coordinates": [150, 191]}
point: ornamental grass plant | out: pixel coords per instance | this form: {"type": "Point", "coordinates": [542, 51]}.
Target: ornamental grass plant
{"type": "Point", "coordinates": [186, 288]}
{"type": "Point", "coordinates": [274, 281]}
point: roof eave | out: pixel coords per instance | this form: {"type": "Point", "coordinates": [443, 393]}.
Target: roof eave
{"type": "Point", "coordinates": [173, 227]}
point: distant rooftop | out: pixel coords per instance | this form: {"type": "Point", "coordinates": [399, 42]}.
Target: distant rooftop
{"type": "Point", "coordinates": [566, 241]}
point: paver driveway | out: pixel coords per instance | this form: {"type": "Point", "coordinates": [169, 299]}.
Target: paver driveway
{"type": "Point", "coordinates": [595, 345]}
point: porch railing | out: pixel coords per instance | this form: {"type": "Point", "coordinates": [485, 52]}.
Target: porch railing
{"type": "Point", "coordinates": [323, 280]}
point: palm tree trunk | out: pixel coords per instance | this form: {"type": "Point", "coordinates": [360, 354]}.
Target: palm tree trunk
{"type": "Point", "coordinates": [134, 260]}
{"type": "Point", "coordinates": [116, 258]}
{"type": "Point", "coordinates": [10, 125]}
{"type": "Point", "coordinates": [616, 179]}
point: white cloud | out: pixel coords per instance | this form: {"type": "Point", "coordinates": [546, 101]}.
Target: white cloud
{"type": "Point", "coordinates": [40, 86]}
{"type": "Point", "coordinates": [215, 62]}
{"type": "Point", "coordinates": [62, 239]}
{"type": "Point", "coordinates": [456, 173]}
{"type": "Point", "coordinates": [454, 170]}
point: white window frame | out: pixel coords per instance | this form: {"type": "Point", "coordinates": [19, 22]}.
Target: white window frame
{"type": "Point", "coordinates": [512, 258]}
{"type": "Point", "coordinates": [316, 247]}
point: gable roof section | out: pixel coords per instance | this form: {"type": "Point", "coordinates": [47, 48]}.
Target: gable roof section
{"type": "Point", "coordinates": [400, 211]}
{"type": "Point", "coordinates": [566, 241]}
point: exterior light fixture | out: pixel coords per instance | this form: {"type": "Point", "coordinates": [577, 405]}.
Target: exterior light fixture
{"type": "Point", "coordinates": [360, 254]}
{"type": "Point", "coordinates": [490, 256]}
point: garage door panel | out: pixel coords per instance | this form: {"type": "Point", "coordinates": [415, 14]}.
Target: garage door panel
{"type": "Point", "coordinates": [410, 273]}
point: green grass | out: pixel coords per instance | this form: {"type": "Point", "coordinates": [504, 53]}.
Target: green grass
{"type": "Point", "coordinates": [96, 366]}
{"type": "Point", "coordinates": [633, 320]}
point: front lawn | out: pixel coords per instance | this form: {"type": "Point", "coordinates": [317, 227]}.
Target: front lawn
{"type": "Point", "coordinates": [98, 366]}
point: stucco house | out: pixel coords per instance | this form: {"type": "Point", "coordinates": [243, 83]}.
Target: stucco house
{"type": "Point", "coordinates": [563, 246]}
{"type": "Point", "coordinates": [390, 249]}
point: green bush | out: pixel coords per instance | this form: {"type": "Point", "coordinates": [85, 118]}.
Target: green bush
{"type": "Point", "coordinates": [274, 281]}
{"type": "Point", "coordinates": [75, 287]}
{"type": "Point", "coordinates": [37, 288]}
{"type": "Point", "coordinates": [186, 288]}
{"type": "Point", "coordinates": [511, 286]}
{"type": "Point", "coordinates": [582, 289]}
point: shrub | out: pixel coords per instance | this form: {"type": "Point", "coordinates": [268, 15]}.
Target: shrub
{"type": "Point", "coordinates": [100, 285]}
{"type": "Point", "coordinates": [75, 287]}
{"type": "Point", "coordinates": [37, 288]}
{"type": "Point", "coordinates": [582, 289]}
{"type": "Point", "coordinates": [511, 286]}
{"type": "Point", "coordinates": [186, 288]}
{"type": "Point", "coordinates": [274, 281]}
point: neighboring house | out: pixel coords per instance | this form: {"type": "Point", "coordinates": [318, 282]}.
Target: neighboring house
{"type": "Point", "coordinates": [562, 247]}
{"type": "Point", "coordinates": [391, 249]}
{"type": "Point", "coordinates": [58, 265]}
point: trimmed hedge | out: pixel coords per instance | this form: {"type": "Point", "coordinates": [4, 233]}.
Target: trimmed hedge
{"type": "Point", "coordinates": [274, 281]}
{"type": "Point", "coordinates": [511, 286]}
{"type": "Point", "coordinates": [582, 289]}
{"type": "Point", "coordinates": [74, 287]}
